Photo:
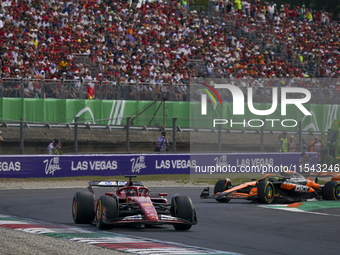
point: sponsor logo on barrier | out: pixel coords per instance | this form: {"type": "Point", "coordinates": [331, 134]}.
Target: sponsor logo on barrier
{"type": "Point", "coordinates": [221, 161]}
{"type": "Point", "coordinates": [175, 164]}
{"type": "Point", "coordinates": [137, 164]}
{"type": "Point", "coordinates": [94, 165]}
{"type": "Point", "coordinates": [10, 166]}
{"type": "Point", "coordinates": [255, 162]}
{"type": "Point", "coordinates": [51, 165]}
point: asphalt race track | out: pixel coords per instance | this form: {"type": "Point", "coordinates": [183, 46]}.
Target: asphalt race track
{"type": "Point", "coordinates": [238, 226]}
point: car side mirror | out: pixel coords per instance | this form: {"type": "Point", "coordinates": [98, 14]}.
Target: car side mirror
{"type": "Point", "coordinates": [162, 194]}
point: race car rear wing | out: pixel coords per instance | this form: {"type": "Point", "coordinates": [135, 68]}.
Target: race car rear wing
{"type": "Point", "coordinates": [107, 183]}
{"type": "Point", "coordinates": [116, 184]}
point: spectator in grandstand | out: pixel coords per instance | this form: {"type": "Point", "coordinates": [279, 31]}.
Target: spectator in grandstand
{"type": "Point", "coordinates": [162, 143]}
{"type": "Point", "coordinates": [304, 145]}
{"type": "Point", "coordinates": [278, 143]}
{"type": "Point", "coordinates": [316, 145]}
{"type": "Point", "coordinates": [54, 148]}
{"type": "Point", "coordinates": [28, 89]}
{"type": "Point", "coordinates": [284, 142]}
{"type": "Point", "coordinates": [309, 16]}
{"type": "Point", "coordinates": [291, 144]}
{"type": "Point", "coordinates": [229, 6]}
{"type": "Point", "coordinates": [271, 10]}
{"type": "Point", "coordinates": [53, 88]}
{"type": "Point", "coordinates": [238, 5]}
{"type": "Point", "coordinates": [90, 86]}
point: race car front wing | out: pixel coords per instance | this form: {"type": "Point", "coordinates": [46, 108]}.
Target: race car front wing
{"type": "Point", "coordinates": [141, 219]}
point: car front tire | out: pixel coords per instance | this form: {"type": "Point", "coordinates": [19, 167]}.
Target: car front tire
{"type": "Point", "coordinates": [183, 209]}
{"type": "Point", "coordinates": [331, 190]}
{"type": "Point", "coordinates": [265, 192]}
{"type": "Point", "coordinates": [106, 209]}
{"type": "Point", "coordinates": [83, 208]}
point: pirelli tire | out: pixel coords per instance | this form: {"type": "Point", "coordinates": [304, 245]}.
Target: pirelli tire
{"type": "Point", "coordinates": [83, 207]}
{"type": "Point", "coordinates": [183, 209]}
{"type": "Point", "coordinates": [265, 192]}
{"type": "Point", "coordinates": [106, 209]}
{"type": "Point", "coordinates": [331, 190]}
{"type": "Point", "coordinates": [221, 186]}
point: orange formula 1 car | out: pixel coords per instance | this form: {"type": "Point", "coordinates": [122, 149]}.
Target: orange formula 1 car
{"type": "Point", "coordinates": [289, 186]}
{"type": "Point", "coordinates": [130, 203]}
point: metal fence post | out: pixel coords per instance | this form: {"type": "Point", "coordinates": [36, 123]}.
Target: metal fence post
{"type": "Point", "coordinates": [262, 131]}
{"type": "Point", "coordinates": [188, 93]}
{"type": "Point", "coordinates": [76, 134]}
{"type": "Point", "coordinates": [100, 91]}
{"type": "Point", "coordinates": [127, 134]}
{"type": "Point", "coordinates": [300, 136]}
{"type": "Point", "coordinates": [2, 89]}
{"type": "Point", "coordinates": [219, 137]}
{"type": "Point", "coordinates": [125, 91]}
{"type": "Point", "coordinates": [171, 93]}
{"type": "Point", "coordinates": [164, 115]}
{"type": "Point", "coordinates": [81, 91]}
{"type": "Point", "coordinates": [119, 92]}
{"type": "Point", "coordinates": [21, 135]}
{"type": "Point", "coordinates": [21, 88]}
{"type": "Point", "coordinates": [42, 90]}
{"type": "Point", "coordinates": [62, 89]}
{"type": "Point", "coordinates": [174, 134]}
{"type": "Point", "coordinates": [136, 93]}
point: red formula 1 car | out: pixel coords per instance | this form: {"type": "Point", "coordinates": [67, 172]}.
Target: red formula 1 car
{"type": "Point", "coordinates": [289, 186]}
{"type": "Point", "coordinates": [132, 204]}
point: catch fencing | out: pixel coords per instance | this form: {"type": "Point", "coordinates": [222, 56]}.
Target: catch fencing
{"type": "Point", "coordinates": [131, 137]}
{"type": "Point", "coordinates": [323, 91]}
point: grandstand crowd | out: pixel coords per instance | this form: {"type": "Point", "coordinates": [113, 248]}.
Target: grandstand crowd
{"type": "Point", "coordinates": [166, 42]}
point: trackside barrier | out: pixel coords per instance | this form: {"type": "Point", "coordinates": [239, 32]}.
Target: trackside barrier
{"type": "Point", "coordinates": [141, 164]}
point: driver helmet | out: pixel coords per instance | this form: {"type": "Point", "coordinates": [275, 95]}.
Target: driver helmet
{"type": "Point", "coordinates": [131, 193]}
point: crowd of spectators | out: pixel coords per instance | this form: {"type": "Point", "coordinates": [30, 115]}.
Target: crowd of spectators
{"type": "Point", "coordinates": [281, 41]}
{"type": "Point", "coordinates": [165, 42]}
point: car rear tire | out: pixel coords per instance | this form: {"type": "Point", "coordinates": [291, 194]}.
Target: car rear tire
{"type": "Point", "coordinates": [183, 209]}
{"type": "Point", "coordinates": [221, 186]}
{"type": "Point", "coordinates": [83, 208]}
{"type": "Point", "coordinates": [331, 190]}
{"type": "Point", "coordinates": [265, 192]}
{"type": "Point", "coordinates": [107, 208]}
